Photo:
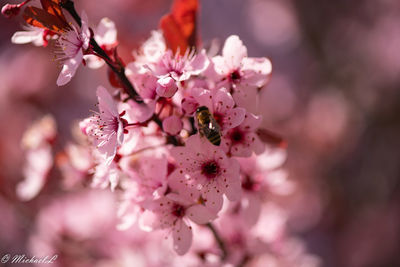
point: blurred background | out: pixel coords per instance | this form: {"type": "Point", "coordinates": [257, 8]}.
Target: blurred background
{"type": "Point", "coordinates": [334, 95]}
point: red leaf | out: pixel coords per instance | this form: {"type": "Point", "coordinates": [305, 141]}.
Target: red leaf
{"type": "Point", "coordinates": [40, 18]}
{"type": "Point", "coordinates": [179, 27]}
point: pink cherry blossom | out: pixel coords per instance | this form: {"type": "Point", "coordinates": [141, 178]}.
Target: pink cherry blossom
{"type": "Point", "coordinates": [179, 67]}
{"type": "Point", "coordinates": [236, 68]}
{"type": "Point", "coordinates": [106, 128]}
{"type": "Point", "coordinates": [166, 86]}
{"type": "Point", "coordinates": [209, 170]}
{"type": "Point", "coordinates": [72, 45]}
{"type": "Point", "coordinates": [242, 140]}
{"type": "Point", "coordinates": [172, 125]}
{"type": "Point", "coordinates": [173, 211]}
{"type": "Point", "coordinates": [221, 105]}
{"type": "Point", "coordinates": [147, 180]}
{"type": "Point", "coordinates": [37, 141]}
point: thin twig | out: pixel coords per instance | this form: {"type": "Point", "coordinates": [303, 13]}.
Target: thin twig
{"type": "Point", "coordinates": [219, 240]}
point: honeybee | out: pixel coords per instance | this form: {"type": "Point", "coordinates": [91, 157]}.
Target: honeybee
{"type": "Point", "coordinates": [208, 126]}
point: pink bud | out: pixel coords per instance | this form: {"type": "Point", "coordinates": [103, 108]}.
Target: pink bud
{"type": "Point", "coordinates": [172, 125]}
{"type": "Point", "coordinates": [10, 11]}
{"type": "Point", "coordinates": [189, 105]}
{"type": "Point", "coordinates": [166, 87]}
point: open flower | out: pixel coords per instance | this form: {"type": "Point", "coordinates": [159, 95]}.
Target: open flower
{"type": "Point", "coordinates": [106, 127]}
{"type": "Point", "coordinates": [209, 170]}
{"type": "Point", "coordinates": [236, 68]}
{"type": "Point", "coordinates": [72, 45]}
{"type": "Point", "coordinates": [221, 105]}
{"type": "Point", "coordinates": [242, 140]}
{"type": "Point", "coordinates": [173, 212]}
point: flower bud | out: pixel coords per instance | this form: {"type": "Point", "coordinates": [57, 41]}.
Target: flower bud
{"type": "Point", "coordinates": [166, 87]}
{"type": "Point", "coordinates": [189, 105]}
{"type": "Point", "coordinates": [10, 10]}
{"type": "Point", "coordinates": [172, 125]}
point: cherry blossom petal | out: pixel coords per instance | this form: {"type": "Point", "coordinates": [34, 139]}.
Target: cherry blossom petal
{"type": "Point", "coordinates": [256, 70]}
{"type": "Point", "coordinates": [223, 101]}
{"type": "Point", "coordinates": [189, 105]}
{"type": "Point", "coordinates": [246, 97]}
{"type": "Point", "coordinates": [69, 68]}
{"type": "Point", "coordinates": [182, 237]}
{"type": "Point", "coordinates": [106, 33]}
{"type": "Point", "coordinates": [149, 221]}
{"type": "Point", "coordinates": [34, 36]}
{"type": "Point", "coordinates": [234, 117]}
{"type": "Point", "coordinates": [220, 66]}
{"type": "Point", "coordinates": [137, 112]}
{"type": "Point", "coordinates": [200, 214]}
{"type": "Point", "coordinates": [251, 122]}
{"type": "Point", "coordinates": [199, 63]}
{"type": "Point", "coordinates": [251, 208]}
{"type": "Point", "coordinates": [233, 189]}
{"type": "Point", "coordinates": [106, 102]}
{"type": "Point", "coordinates": [213, 200]}
{"type": "Point", "coordinates": [233, 52]}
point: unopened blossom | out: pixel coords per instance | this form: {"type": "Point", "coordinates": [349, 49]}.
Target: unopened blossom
{"type": "Point", "coordinates": [243, 140]}
{"type": "Point", "coordinates": [10, 10]}
{"type": "Point", "coordinates": [166, 87]}
{"type": "Point", "coordinates": [173, 212]}
{"type": "Point", "coordinates": [105, 35]}
{"type": "Point", "coordinates": [72, 44]}
{"type": "Point", "coordinates": [106, 128]}
{"type": "Point", "coordinates": [172, 125]}
{"type": "Point", "coordinates": [209, 170]}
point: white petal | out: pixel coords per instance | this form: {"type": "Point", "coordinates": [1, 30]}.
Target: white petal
{"type": "Point", "coordinates": [234, 51]}
{"type": "Point", "coordinates": [24, 37]}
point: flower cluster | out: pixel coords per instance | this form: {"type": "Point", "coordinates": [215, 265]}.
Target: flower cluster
{"type": "Point", "coordinates": [178, 142]}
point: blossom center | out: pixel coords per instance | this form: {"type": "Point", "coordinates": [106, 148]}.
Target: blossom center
{"type": "Point", "coordinates": [237, 136]}
{"type": "Point", "coordinates": [178, 210]}
{"type": "Point", "coordinates": [235, 76]}
{"type": "Point", "coordinates": [249, 184]}
{"type": "Point", "coordinates": [210, 169]}
{"type": "Point", "coordinates": [219, 118]}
